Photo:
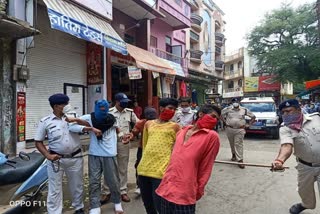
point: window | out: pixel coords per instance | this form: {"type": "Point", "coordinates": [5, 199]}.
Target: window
{"type": "Point", "coordinates": [168, 44]}
{"type": "Point", "coordinates": [153, 41]}
{"type": "Point", "coordinates": [179, 2]}
{"type": "Point", "coordinates": [230, 84]}
{"type": "Point", "coordinates": [129, 39]}
{"type": "Point", "coordinates": [239, 65]}
{"type": "Point", "coordinates": [240, 83]}
{"type": "Point", "coordinates": [231, 68]}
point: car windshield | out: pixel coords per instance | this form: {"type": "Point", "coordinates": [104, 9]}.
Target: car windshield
{"type": "Point", "coordinates": [260, 107]}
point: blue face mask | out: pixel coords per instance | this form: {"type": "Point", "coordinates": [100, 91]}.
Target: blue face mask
{"type": "Point", "coordinates": [99, 114]}
{"type": "Point", "coordinates": [123, 104]}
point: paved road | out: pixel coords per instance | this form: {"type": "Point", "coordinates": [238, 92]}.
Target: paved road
{"type": "Point", "coordinates": [232, 190]}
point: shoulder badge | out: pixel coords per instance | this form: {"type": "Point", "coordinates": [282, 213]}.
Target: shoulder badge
{"type": "Point", "coordinates": [111, 109]}
{"type": "Point", "coordinates": [128, 109]}
{"type": "Point", "coordinates": [44, 119]}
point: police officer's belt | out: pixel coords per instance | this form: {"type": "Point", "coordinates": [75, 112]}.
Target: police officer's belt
{"type": "Point", "coordinates": [308, 164]}
{"type": "Point", "coordinates": [235, 127]}
{"type": "Point", "coordinates": [66, 155]}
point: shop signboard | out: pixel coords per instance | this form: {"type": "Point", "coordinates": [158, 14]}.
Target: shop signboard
{"type": "Point", "coordinates": [94, 64]}
{"type": "Point", "coordinates": [21, 116]}
{"type": "Point", "coordinates": [134, 73]}
{"type": "Point", "coordinates": [251, 84]}
{"type": "Point", "coordinates": [269, 83]}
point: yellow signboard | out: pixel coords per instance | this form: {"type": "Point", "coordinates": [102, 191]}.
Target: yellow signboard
{"type": "Point", "coordinates": [251, 84]}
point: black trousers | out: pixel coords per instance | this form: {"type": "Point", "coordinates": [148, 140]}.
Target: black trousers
{"type": "Point", "coordinates": [151, 200]}
{"type": "Point", "coordinates": [139, 156]}
{"type": "Point", "coordinates": [167, 207]}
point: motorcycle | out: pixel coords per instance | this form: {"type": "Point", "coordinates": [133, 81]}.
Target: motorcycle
{"type": "Point", "coordinates": [21, 180]}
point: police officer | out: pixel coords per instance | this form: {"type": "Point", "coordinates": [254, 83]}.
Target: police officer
{"type": "Point", "coordinates": [124, 117]}
{"type": "Point", "coordinates": [64, 153]}
{"type": "Point", "coordinates": [301, 133]}
{"type": "Point", "coordinates": [235, 123]}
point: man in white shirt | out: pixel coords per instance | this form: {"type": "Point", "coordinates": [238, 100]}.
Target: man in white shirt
{"type": "Point", "coordinates": [184, 115]}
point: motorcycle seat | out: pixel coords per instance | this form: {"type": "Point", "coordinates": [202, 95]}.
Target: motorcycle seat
{"type": "Point", "coordinates": [22, 169]}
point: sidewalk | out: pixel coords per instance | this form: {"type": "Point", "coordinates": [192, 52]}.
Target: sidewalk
{"type": "Point", "coordinates": [108, 208]}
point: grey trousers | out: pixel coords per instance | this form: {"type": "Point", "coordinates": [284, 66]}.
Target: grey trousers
{"type": "Point", "coordinates": [307, 175]}
{"type": "Point", "coordinates": [73, 167]}
{"type": "Point", "coordinates": [123, 161]}
{"type": "Point", "coordinates": [109, 167]}
{"type": "Point", "coordinates": [235, 137]}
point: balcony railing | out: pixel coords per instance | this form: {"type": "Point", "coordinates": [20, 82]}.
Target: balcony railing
{"type": "Point", "coordinates": [228, 90]}
{"type": "Point", "coordinates": [233, 74]}
{"type": "Point", "coordinates": [219, 65]}
{"type": "Point", "coordinates": [218, 50]}
{"type": "Point", "coordinates": [169, 56]}
{"type": "Point", "coordinates": [196, 21]}
{"type": "Point", "coordinates": [219, 38]}
{"type": "Point", "coordinates": [194, 4]}
{"type": "Point", "coordinates": [195, 55]}
{"type": "Point", "coordinates": [194, 37]}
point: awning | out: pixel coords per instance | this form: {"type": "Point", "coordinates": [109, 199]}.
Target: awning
{"type": "Point", "coordinates": [176, 67]}
{"type": "Point", "coordinates": [148, 61]}
{"type": "Point", "coordinates": [309, 91]}
{"type": "Point", "coordinates": [71, 19]}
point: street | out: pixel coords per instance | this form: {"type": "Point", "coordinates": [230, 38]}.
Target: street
{"type": "Point", "coordinates": [232, 190]}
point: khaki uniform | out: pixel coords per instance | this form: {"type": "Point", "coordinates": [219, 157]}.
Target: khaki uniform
{"type": "Point", "coordinates": [306, 144]}
{"type": "Point", "coordinates": [235, 122]}
{"type": "Point", "coordinates": [123, 120]}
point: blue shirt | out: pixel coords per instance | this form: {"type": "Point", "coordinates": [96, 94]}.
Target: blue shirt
{"type": "Point", "coordinates": [107, 147]}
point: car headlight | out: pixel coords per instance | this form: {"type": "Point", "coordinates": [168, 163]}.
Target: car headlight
{"type": "Point", "coordinates": [272, 121]}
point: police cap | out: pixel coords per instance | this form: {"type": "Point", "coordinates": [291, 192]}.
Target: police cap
{"type": "Point", "coordinates": [289, 103]}
{"type": "Point", "coordinates": [58, 99]}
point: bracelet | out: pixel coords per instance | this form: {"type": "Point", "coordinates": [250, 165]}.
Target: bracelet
{"type": "Point", "coordinates": [281, 161]}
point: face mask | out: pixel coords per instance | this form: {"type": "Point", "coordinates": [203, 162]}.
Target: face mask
{"type": "Point", "coordinates": [185, 110]}
{"type": "Point", "coordinates": [66, 109]}
{"type": "Point", "coordinates": [235, 105]}
{"type": "Point", "coordinates": [166, 114]}
{"type": "Point", "coordinates": [207, 122]}
{"type": "Point", "coordinates": [123, 104]}
{"type": "Point", "coordinates": [292, 118]}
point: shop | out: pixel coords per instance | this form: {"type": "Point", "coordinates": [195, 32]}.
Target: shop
{"type": "Point", "coordinates": [68, 57]}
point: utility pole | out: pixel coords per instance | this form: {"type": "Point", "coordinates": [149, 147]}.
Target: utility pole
{"type": "Point", "coordinates": [318, 18]}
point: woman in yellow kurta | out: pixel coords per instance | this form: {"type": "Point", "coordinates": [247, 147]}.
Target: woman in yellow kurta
{"type": "Point", "coordinates": [158, 139]}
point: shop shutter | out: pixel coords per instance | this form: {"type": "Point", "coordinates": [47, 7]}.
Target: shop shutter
{"type": "Point", "coordinates": [57, 58]}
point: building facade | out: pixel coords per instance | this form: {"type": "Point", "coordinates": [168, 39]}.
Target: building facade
{"type": "Point", "coordinates": [206, 50]}
{"type": "Point", "coordinates": [242, 78]}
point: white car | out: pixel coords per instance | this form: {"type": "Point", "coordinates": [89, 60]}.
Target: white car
{"type": "Point", "coordinates": [267, 119]}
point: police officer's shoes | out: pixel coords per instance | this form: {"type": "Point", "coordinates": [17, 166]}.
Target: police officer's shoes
{"type": "Point", "coordinates": [79, 211]}
{"type": "Point", "coordinates": [297, 208]}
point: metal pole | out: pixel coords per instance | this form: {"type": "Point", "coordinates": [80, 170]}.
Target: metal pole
{"type": "Point", "coordinates": [247, 164]}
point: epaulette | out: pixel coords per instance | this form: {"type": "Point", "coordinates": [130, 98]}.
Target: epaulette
{"type": "Point", "coordinates": [111, 109]}
{"type": "Point", "coordinates": [44, 119]}
{"type": "Point", "coordinates": [313, 114]}
{"type": "Point", "coordinates": [128, 109]}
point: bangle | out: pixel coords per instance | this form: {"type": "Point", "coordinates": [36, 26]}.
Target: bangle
{"type": "Point", "coordinates": [281, 161]}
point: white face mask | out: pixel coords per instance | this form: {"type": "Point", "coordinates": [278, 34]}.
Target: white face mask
{"type": "Point", "coordinates": [185, 110]}
{"type": "Point", "coordinates": [235, 105]}
{"type": "Point", "coordinates": [67, 109]}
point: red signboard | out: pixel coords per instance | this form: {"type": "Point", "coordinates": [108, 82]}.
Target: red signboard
{"type": "Point", "coordinates": [312, 83]}
{"type": "Point", "coordinates": [269, 83]}
{"type": "Point", "coordinates": [21, 116]}
{"type": "Point", "coordinates": [94, 64]}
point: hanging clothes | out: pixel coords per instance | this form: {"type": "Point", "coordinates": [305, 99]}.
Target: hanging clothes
{"type": "Point", "coordinates": [183, 89]}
